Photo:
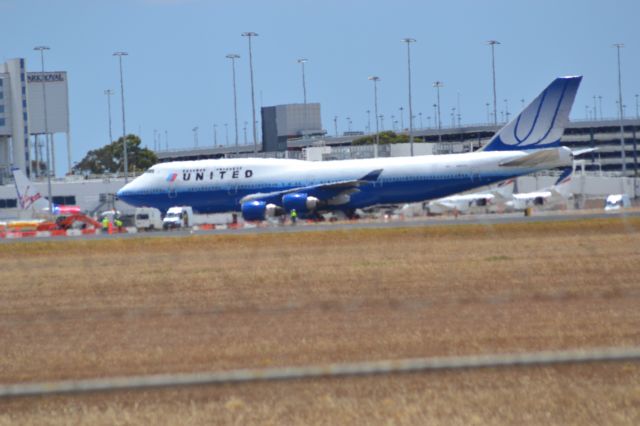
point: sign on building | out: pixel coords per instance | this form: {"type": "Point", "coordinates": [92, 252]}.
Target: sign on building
{"type": "Point", "coordinates": [57, 94]}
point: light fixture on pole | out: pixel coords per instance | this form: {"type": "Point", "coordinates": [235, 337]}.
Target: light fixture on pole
{"type": "Point", "coordinates": [249, 35]}
{"type": "Point", "coordinates": [41, 49]}
{"type": "Point", "coordinates": [195, 136]}
{"type": "Point", "coordinates": [600, 106]}
{"type": "Point", "coordinates": [155, 140]}
{"type": "Point", "coordinates": [493, 43]}
{"type": "Point", "coordinates": [233, 58]}
{"type": "Point", "coordinates": [109, 92]}
{"type": "Point", "coordinates": [438, 85]}
{"type": "Point", "coordinates": [506, 110]}
{"type": "Point", "coordinates": [124, 127]}
{"type": "Point", "coordinates": [302, 61]}
{"type": "Point", "coordinates": [409, 41]}
{"type": "Point", "coordinates": [375, 80]}
{"type": "Point", "coordinates": [618, 46]}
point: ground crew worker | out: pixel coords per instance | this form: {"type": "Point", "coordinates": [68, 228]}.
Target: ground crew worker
{"type": "Point", "coordinates": [118, 223]}
{"type": "Point", "coordinates": [105, 224]}
{"type": "Point", "coordinates": [294, 216]}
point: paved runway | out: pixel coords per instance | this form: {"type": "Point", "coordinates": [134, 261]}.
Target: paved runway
{"type": "Point", "coordinates": [488, 219]}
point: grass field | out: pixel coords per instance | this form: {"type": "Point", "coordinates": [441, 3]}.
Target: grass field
{"type": "Point", "coordinates": [82, 309]}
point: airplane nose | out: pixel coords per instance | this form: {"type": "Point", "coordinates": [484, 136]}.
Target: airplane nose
{"type": "Point", "coordinates": [123, 193]}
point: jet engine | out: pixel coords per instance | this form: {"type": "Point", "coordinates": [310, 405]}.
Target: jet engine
{"type": "Point", "coordinates": [301, 202]}
{"type": "Point", "coordinates": [259, 210]}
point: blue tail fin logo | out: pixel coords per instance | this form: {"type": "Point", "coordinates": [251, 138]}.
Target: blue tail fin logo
{"type": "Point", "coordinates": [541, 124]}
{"type": "Point", "coordinates": [565, 176]}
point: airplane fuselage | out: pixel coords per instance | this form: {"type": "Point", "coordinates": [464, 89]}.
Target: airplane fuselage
{"type": "Point", "coordinates": [213, 186]}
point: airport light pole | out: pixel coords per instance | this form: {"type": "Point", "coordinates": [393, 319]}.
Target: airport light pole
{"type": "Point", "coordinates": [459, 116]}
{"type": "Point", "coordinates": [41, 49]}
{"type": "Point", "coordinates": [215, 135]}
{"type": "Point", "coordinates": [109, 92]}
{"type": "Point", "coordinates": [226, 134]}
{"type": "Point", "coordinates": [506, 110]}
{"type": "Point", "coordinates": [493, 43]}
{"type": "Point", "coordinates": [302, 61]}
{"type": "Point", "coordinates": [600, 106]}
{"type": "Point", "coordinates": [637, 109]}
{"type": "Point", "coordinates": [623, 154]}
{"type": "Point", "coordinates": [595, 108]}
{"type": "Point", "coordinates": [233, 57]}
{"type": "Point", "coordinates": [249, 35]}
{"type": "Point", "coordinates": [401, 118]}
{"type": "Point", "coordinates": [124, 127]}
{"type": "Point", "coordinates": [438, 85]}
{"type": "Point", "coordinates": [375, 80]}
{"type": "Point", "coordinates": [335, 125]}
{"type": "Point", "coordinates": [368, 121]}
{"type": "Point", "coordinates": [409, 41]}
{"type": "Point", "coordinates": [195, 136]}
{"type": "Point", "coordinates": [420, 115]}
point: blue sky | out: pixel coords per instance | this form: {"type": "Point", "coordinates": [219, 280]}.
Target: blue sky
{"type": "Point", "coordinates": [177, 76]}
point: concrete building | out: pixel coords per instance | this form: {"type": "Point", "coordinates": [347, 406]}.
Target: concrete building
{"type": "Point", "coordinates": [283, 122]}
{"type": "Point", "coordinates": [22, 116]}
{"type": "Point", "coordinates": [601, 134]}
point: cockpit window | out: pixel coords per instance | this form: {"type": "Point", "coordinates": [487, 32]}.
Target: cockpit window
{"type": "Point", "coordinates": [149, 171]}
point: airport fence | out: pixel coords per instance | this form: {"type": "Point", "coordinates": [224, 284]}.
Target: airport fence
{"type": "Point", "coordinates": [337, 370]}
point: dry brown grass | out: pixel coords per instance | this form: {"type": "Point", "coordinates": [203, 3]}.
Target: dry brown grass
{"type": "Point", "coordinates": [100, 308]}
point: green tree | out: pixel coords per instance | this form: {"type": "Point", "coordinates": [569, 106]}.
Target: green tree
{"type": "Point", "coordinates": [385, 138]}
{"type": "Point", "coordinates": [110, 158]}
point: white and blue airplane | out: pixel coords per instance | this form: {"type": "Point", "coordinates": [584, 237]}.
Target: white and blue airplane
{"type": "Point", "coordinates": [261, 188]}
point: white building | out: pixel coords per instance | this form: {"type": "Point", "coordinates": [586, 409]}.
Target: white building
{"type": "Point", "coordinates": [22, 116]}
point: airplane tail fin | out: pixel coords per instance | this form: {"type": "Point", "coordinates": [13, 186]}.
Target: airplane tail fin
{"type": "Point", "coordinates": [541, 124]}
{"type": "Point", "coordinates": [504, 189]}
{"type": "Point", "coordinates": [565, 177]}
{"type": "Point", "coordinates": [563, 184]}
{"type": "Point", "coordinates": [28, 197]}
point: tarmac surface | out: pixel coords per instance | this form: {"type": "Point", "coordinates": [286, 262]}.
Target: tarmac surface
{"type": "Point", "coordinates": [302, 226]}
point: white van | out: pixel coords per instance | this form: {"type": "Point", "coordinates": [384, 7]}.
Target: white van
{"type": "Point", "coordinates": [617, 202]}
{"type": "Point", "coordinates": [178, 217]}
{"type": "Point", "coordinates": [147, 218]}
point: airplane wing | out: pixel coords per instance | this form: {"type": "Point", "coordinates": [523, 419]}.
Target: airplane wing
{"type": "Point", "coordinates": [577, 152]}
{"type": "Point", "coordinates": [323, 191]}
{"type": "Point", "coordinates": [532, 160]}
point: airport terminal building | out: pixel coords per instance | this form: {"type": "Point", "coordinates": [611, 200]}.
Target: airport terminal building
{"type": "Point", "coordinates": [23, 128]}
{"type": "Point", "coordinates": [295, 131]}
